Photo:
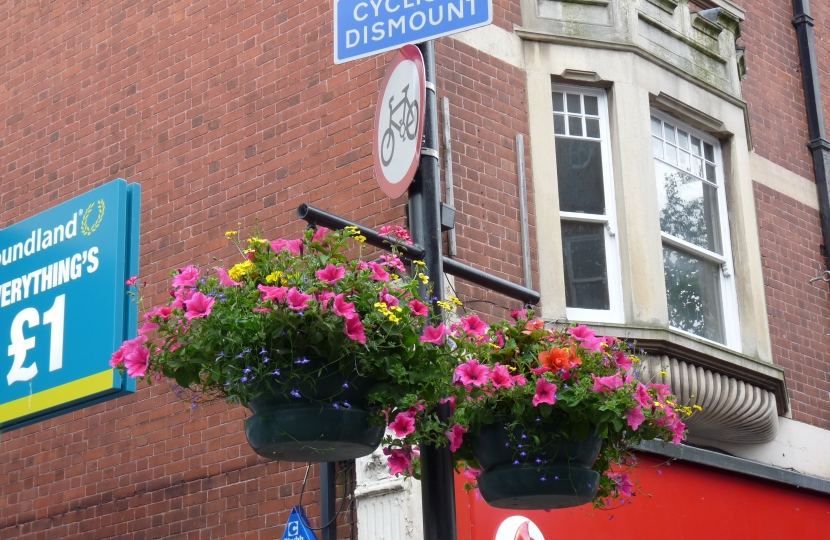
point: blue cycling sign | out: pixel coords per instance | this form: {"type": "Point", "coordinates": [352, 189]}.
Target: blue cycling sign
{"type": "Point", "coordinates": [366, 27]}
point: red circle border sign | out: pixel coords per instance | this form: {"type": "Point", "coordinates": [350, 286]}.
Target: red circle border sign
{"type": "Point", "coordinates": [395, 190]}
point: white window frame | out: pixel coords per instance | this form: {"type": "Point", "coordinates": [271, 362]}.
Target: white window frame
{"type": "Point", "coordinates": [615, 314]}
{"type": "Point", "coordinates": [729, 296]}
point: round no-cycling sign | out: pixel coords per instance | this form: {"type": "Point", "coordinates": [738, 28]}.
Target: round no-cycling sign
{"type": "Point", "coordinates": [399, 122]}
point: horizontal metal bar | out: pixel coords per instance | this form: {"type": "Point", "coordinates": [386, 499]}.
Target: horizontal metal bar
{"type": "Point", "coordinates": [315, 216]}
{"type": "Point", "coordinates": [483, 279]}
{"type": "Point", "coordinates": [733, 464]}
{"type": "Point", "coordinates": [585, 218]}
{"type": "Point", "coordinates": [696, 251]}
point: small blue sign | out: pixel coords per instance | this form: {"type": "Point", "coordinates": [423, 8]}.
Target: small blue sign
{"type": "Point", "coordinates": [63, 307]}
{"type": "Point", "coordinates": [296, 528]}
{"type": "Point", "coordinates": [366, 27]}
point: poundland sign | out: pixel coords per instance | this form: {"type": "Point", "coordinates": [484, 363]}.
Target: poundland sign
{"type": "Point", "coordinates": [63, 307]}
{"type": "Point", "coordinates": [366, 27]}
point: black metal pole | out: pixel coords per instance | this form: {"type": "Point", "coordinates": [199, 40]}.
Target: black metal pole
{"type": "Point", "coordinates": [437, 488]}
{"type": "Point", "coordinates": [328, 492]}
{"type": "Point", "coordinates": [819, 145]}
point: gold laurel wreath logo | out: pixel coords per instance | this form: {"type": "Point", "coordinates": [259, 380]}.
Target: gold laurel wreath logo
{"type": "Point", "coordinates": [86, 230]}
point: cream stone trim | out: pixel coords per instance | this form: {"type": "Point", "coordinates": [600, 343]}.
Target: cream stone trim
{"type": "Point", "coordinates": [733, 410]}
{"type": "Point", "coordinates": [495, 41]}
{"type": "Point", "coordinates": [797, 446]}
{"type": "Point", "coordinates": [784, 181]}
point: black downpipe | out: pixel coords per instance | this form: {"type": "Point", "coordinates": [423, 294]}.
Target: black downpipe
{"type": "Point", "coordinates": [328, 491]}
{"type": "Point", "coordinates": [819, 145]}
{"type": "Point", "coordinates": [438, 492]}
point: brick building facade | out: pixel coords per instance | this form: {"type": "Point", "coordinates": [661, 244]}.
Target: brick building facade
{"type": "Point", "coordinates": [232, 112]}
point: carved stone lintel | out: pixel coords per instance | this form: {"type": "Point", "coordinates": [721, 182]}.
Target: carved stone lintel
{"type": "Point", "coordinates": [666, 5]}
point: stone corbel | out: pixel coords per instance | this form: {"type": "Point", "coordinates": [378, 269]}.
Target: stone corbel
{"type": "Point", "coordinates": [666, 5]}
{"type": "Point", "coordinates": [706, 21]}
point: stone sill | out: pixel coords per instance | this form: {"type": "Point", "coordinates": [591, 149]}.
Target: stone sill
{"type": "Point", "coordinates": [718, 359]}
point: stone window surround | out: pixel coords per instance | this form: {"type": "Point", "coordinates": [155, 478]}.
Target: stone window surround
{"type": "Point", "coordinates": [635, 85]}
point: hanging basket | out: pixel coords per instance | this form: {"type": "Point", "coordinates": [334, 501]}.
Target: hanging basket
{"type": "Point", "coordinates": [311, 427]}
{"type": "Point", "coordinates": [563, 479]}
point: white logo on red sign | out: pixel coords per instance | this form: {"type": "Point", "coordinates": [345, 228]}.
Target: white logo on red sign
{"type": "Point", "coordinates": [518, 528]}
{"type": "Point", "coordinates": [399, 119]}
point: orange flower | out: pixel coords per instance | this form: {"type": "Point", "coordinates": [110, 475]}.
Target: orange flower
{"type": "Point", "coordinates": [531, 326]}
{"type": "Point", "coordinates": [555, 359]}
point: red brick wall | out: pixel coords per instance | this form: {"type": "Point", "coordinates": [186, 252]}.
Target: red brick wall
{"type": "Point", "coordinates": [799, 311]}
{"type": "Point", "coordinates": [773, 88]}
{"type": "Point", "coordinates": [225, 112]}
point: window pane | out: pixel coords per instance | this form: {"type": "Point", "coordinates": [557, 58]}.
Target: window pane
{"type": "Point", "coordinates": [688, 208]}
{"type": "Point", "coordinates": [657, 145]}
{"type": "Point", "coordinates": [708, 152]}
{"type": "Point", "coordinates": [671, 154]}
{"type": "Point", "coordinates": [683, 160]}
{"type": "Point", "coordinates": [710, 174]}
{"type": "Point", "coordinates": [591, 105]}
{"type": "Point", "coordinates": [586, 279]}
{"type": "Point", "coordinates": [697, 166]}
{"type": "Point", "coordinates": [559, 124]}
{"type": "Point", "coordinates": [695, 145]}
{"type": "Point", "coordinates": [575, 125]}
{"type": "Point", "coordinates": [683, 139]}
{"type": "Point", "coordinates": [656, 127]}
{"type": "Point", "coordinates": [592, 127]}
{"type": "Point", "coordinates": [693, 294]}
{"type": "Point", "coordinates": [574, 105]}
{"type": "Point", "coordinates": [579, 171]}
{"type": "Point", "coordinates": [558, 102]}
{"type": "Point", "coordinates": [669, 133]}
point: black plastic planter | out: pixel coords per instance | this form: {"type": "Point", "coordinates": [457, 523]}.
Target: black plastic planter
{"type": "Point", "coordinates": [563, 478]}
{"type": "Point", "coordinates": [311, 427]}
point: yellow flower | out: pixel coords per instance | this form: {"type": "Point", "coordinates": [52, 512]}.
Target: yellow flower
{"type": "Point", "coordinates": [697, 407]}
{"type": "Point", "coordinates": [393, 318]}
{"type": "Point", "coordinates": [658, 404]}
{"type": "Point", "coordinates": [249, 250]}
{"type": "Point", "coordinates": [360, 238]}
{"type": "Point", "coordinates": [240, 270]}
{"type": "Point", "coordinates": [352, 229]}
{"type": "Point", "coordinates": [424, 279]}
{"type": "Point", "coordinates": [255, 240]}
{"type": "Point", "coordinates": [635, 359]}
{"type": "Point", "coordinates": [445, 305]}
{"type": "Point", "coordinates": [664, 374]}
{"type": "Point", "coordinates": [397, 308]}
{"type": "Point", "coordinates": [511, 368]}
{"type": "Point", "coordinates": [456, 301]}
{"type": "Point", "coordinates": [381, 305]}
{"type": "Point", "coordinates": [273, 277]}
{"type": "Point", "coordinates": [394, 277]}
{"type": "Point", "coordinates": [419, 263]}
{"type": "Point", "coordinates": [230, 234]}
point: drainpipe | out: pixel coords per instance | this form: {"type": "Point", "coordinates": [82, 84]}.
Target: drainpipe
{"type": "Point", "coordinates": [819, 145]}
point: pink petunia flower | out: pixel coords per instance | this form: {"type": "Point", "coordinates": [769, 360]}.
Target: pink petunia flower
{"type": "Point", "coordinates": [262, 310]}
{"type": "Point", "coordinates": [470, 473]}
{"type": "Point", "coordinates": [187, 277]}
{"type": "Point", "coordinates": [331, 274]}
{"type": "Point", "coordinates": [435, 334]}
{"type": "Point", "coordinates": [663, 390]}
{"type": "Point", "coordinates": [355, 330]}
{"type": "Point", "coordinates": [393, 262]}
{"type": "Point", "coordinates": [635, 417]}
{"type": "Point", "coordinates": [519, 380]}
{"type": "Point", "coordinates": [275, 294]}
{"type": "Point", "coordinates": [403, 425]}
{"type": "Point", "coordinates": [400, 459]}
{"type": "Point", "coordinates": [324, 297]}
{"type": "Point", "coordinates": [319, 234]}
{"type": "Point", "coordinates": [622, 483]}
{"type": "Point", "coordinates": [622, 361]}
{"type": "Point", "coordinates": [292, 246]}
{"type": "Point", "coordinates": [130, 282]}
{"type": "Point", "coordinates": [134, 355]}
{"type": "Point", "coordinates": [389, 299]}
{"type": "Point", "coordinates": [455, 435]}
{"type": "Point", "coordinates": [642, 396]}
{"type": "Point", "coordinates": [296, 300]}
{"type": "Point", "coordinates": [582, 332]}
{"type": "Point", "coordinates": [593, 344]}
{"type": "Point", "coordinates": [198, 306]}
{"type": "Point", "coordinates": [545, 393]}
{"type": "Point", "coordinates": [378, 273]}
{"type": "Point", "coordinates": [181, 296]}
{"type": "Point", "coordinates": [678, 430]}
{"type": "Point", "coordinates": [501, 377]}
{"type": "Point", "coordinates": [471, 373]}
{"type": "Point", "coordinates": [148, 327]}
{"type": "Point", "coordinates": [163, 312]}
{"type": "Point", "coordinates": [473, 325]}
{"type": "Point", "coordinates": [225, 280]}
{"type": "Point", "coordinates": [418, 308]}
{"type": "Point", "coordinates": [341, 308]}
{"type": "Point", "coordinates": [606, 384]}
{"type": "Point", "coordinates": [451, 401]}
{"type": "Point", "coordinates": [518, 314]}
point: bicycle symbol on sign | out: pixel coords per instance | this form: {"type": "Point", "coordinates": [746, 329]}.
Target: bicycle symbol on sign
{"type": "Point", "coordinates": [406, 126]}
